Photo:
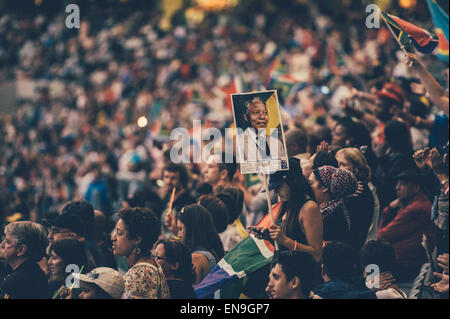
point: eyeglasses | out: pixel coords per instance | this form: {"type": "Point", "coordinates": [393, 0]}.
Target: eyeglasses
{"type": "Point", "coordinates": [58, 231]}
{"type": "Point", "coordinates": [158, 257]}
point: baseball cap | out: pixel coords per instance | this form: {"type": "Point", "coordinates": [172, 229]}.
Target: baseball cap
{"type": "Point", "coordinates": [393, 92]}
{"type": "Point", "coordinates": [279, 177]}
{"type": "Point", "coordinates": [70, 221]}
{"type": "Point", "coordinates": [108, 279]}
{"type": "Point", "coordinates": [409, 175]}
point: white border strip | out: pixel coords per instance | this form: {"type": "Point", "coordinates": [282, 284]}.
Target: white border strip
{"type": "Point", "coordinates": [229, 270]}
{"type": "Point", "coordinates": [262, 247]}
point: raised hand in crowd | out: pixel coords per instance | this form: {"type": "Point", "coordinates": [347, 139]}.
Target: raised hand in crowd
{"type": "Point", "coordinates": [437, 163]}
{"type": "Point", "coordinates": [434, 89]}
{"type": "Point", "coordinates": [443, 262]}
{"type": "Point", "coordinates": [323, 146]}
{"type": "Point", "coordinates": [422, 158]}
{"type": "Point", "coordinates": [442, 285]}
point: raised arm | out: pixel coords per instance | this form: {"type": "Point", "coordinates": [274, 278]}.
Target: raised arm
{"type": "Point", "coordinates": [435, 91]}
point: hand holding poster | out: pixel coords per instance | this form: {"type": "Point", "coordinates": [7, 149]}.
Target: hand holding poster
{"type": "Point", "coordinates": [261, 145]}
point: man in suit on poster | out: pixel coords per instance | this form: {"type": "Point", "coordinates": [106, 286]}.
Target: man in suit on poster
{"type": "Point", "coordinates": [255, 145]}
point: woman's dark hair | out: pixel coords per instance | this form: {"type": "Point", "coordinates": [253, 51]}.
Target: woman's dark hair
{"type": "Point", "coordinates": [299, 190]}
{"type": "Point", "coordinates": [238, 197]}
{"type": "Point", "coordinates": [217, 209]}
{"type": "Point", "coordinates": [324, 158]}
{"type": "Point", "coordinates": [145, 197]}
{"type": "Point", "coordinates": [71, 251]}
{"type": "Point", "coordinates": [397, 137]}
{"type": "Point", "coordinates": [177, 252]}
{"type": "Point", "coordinates": [232, 210]}
{"type": "Point", "coordinates": [379, 253]}
{"type": "Point", "coordinates": [141, 222]}
{"type": "Point", "coordinates": [200, 230]}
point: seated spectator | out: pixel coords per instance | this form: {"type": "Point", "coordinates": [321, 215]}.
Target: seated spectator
{"type": "Point", "coordinates": [403, 223]}
{"type": "Point", "coordinates": [340, 273]}
{"type": "Point", "coordinates": [100, 283]}
{"type": "Point", "coordinates": [176, 262]}
{"type": "Point", "coordinates": [381, 254]}
{"type": "Point", "coordinates": [331, 186]}
{"type": "Point", "coordinates": [292, 276]}
{"type": "Point", "coordinates": [23, 247]}
{"type": "Point", "coordinates": [196, 230]}
{"type": "Point", "coordinates": [62, 254]}
{"type": "Point", "coordinates": [135, 233]}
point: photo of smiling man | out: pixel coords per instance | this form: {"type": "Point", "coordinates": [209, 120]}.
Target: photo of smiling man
{"type": "Point", "coordinates": [259, 131]}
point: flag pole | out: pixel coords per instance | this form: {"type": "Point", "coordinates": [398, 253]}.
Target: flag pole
{"type": "Point", "coordinates": [269, 203]}
{"type": "Point", "coordinates": [393, 34]}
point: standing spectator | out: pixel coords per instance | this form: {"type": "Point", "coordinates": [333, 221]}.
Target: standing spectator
{"type": "Point", "coordinates": [196, 230]}
{"type": "Point", "coordinates": [403, 223]}
{"type": "Point", "coordinates": [176, 262]}
{"type": "Point", "coordinates": [134, 236]}
{"type": "Point", "coordinates": [23, 247]}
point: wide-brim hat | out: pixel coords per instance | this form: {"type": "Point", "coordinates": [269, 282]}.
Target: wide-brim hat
{"type": "Point", "coordinates": [108, 279]}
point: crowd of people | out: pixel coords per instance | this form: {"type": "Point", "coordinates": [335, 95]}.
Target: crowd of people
{"type": "Point", "coordinates": [93, 207]}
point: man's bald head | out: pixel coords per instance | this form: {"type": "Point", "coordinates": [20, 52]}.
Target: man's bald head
{"type": "Point", "coordinates": [296, 141]}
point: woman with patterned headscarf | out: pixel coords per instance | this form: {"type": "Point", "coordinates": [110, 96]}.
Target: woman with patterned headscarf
{"type": "Point", "coordinates": [331, 185]}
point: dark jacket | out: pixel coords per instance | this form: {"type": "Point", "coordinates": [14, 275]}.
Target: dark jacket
{"type": "Point", "coordinates": [344, 289]}
{"type": "Point", "coordinates": [28, 281]}
{"type": "Point", "coordinates": [179, 289]}
{"type": "Point", "coordinates": [360, 209]}
{"type": "Point", "coordinates": [390, 166]}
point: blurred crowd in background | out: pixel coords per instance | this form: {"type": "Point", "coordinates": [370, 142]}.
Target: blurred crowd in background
{"type": "Point", "coordinates": [345, 91]}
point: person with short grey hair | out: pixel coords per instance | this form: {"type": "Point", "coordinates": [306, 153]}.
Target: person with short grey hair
{"type": "Point", "coordinates": [23, 247]}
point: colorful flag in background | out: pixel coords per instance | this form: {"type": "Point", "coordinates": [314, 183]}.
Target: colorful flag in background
{"type": "Point", "coordinates": [406, 32]}
{"type": "Point", "coordinates": [440, 19]}
{"type": "Point", "coordinates": [227, 279]}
